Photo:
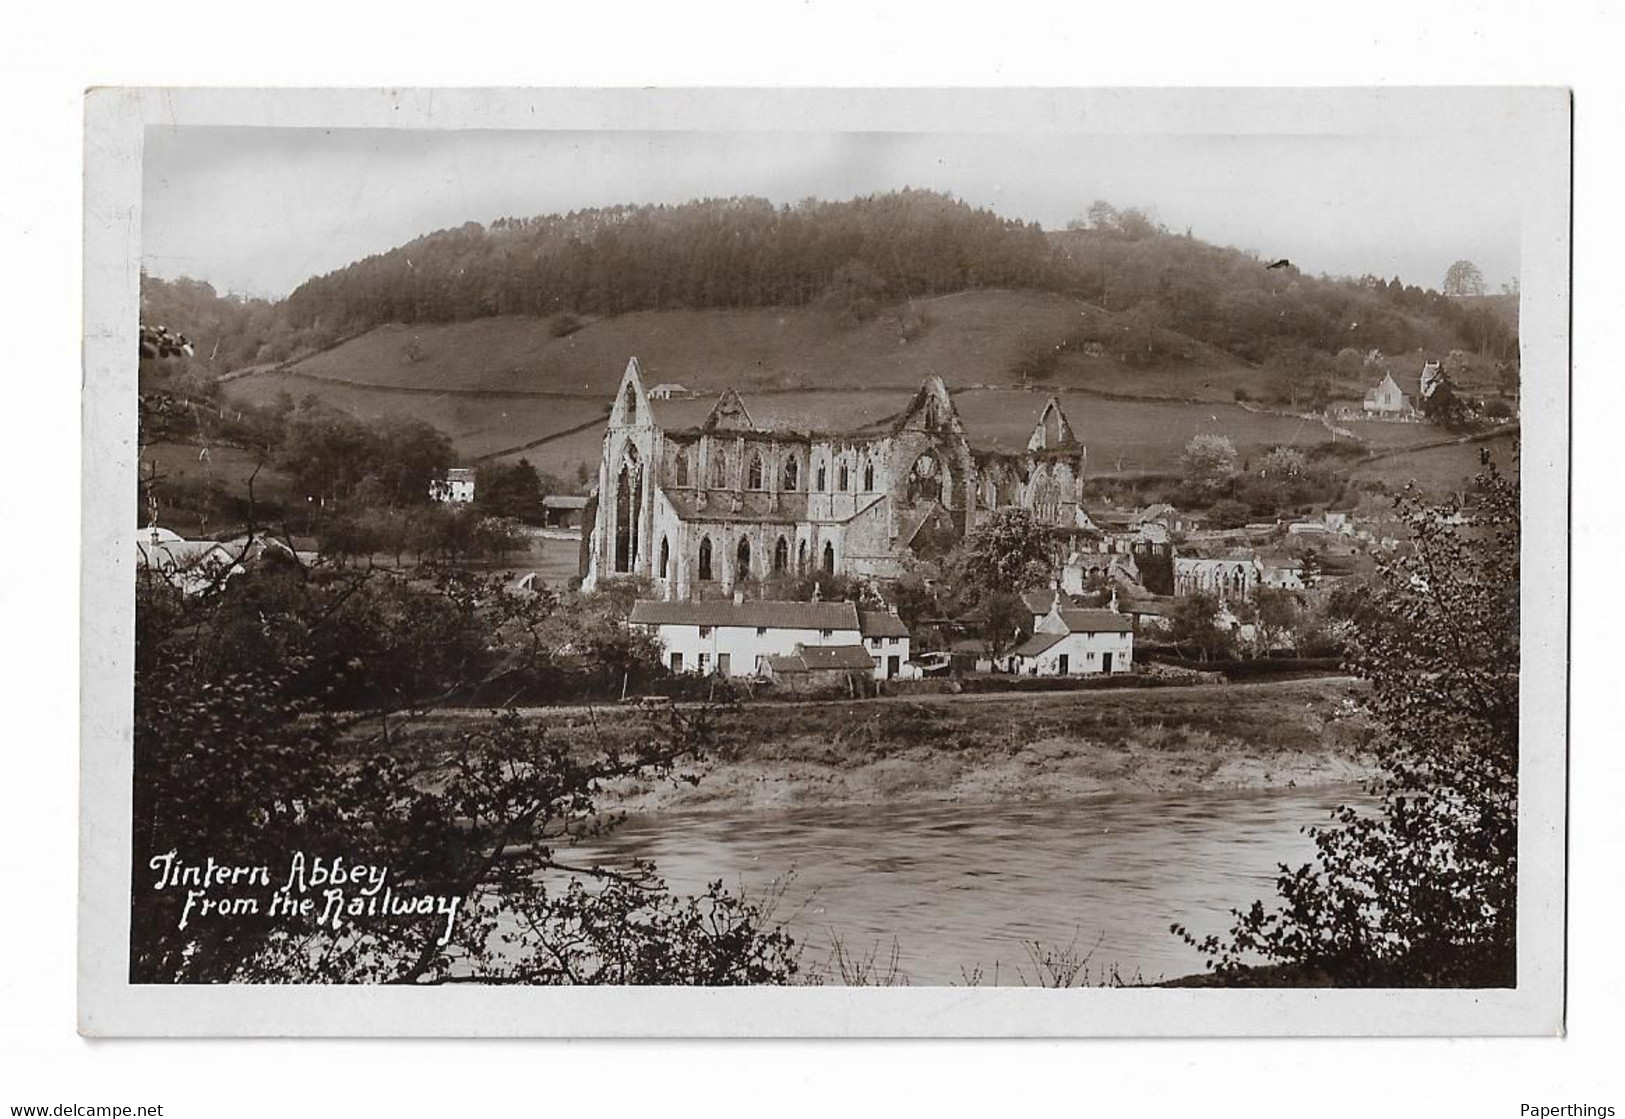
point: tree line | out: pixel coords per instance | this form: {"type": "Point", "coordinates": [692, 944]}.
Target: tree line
{"type": "Point", "coordinates": [854, 256]}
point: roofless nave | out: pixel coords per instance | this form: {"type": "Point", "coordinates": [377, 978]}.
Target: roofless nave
{"type": "Point", "coordinates": [701, 510]}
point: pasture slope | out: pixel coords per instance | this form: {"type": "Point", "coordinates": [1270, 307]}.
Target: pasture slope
{"type": "Point", "coordinates": [506, 387]}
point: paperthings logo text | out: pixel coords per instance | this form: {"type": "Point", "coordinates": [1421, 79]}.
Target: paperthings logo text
{"type": "Point", "coordinates": [333, 893]}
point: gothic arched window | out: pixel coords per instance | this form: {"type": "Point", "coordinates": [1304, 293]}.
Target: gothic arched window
{"type": "Point", "coordinates": [719, 469]}
{"type": "Point", "coordinates": [743, 556]}
{"type": "Point", "coordinates": [801, 557]}
{"type": "Point", "coordinates": [868, 477]}
{"type": "Point", "coordinates": [841, 475]}
{"type": "Point", "coordinates": [781, 556]}
{"type": "Point", "coordinates": [630, 405]}
{"type": "Point", "coordinates": [792, 474]}
{"type": "Point", "coordinates": [705, 560]}
{"type": "Point", "coordinates": [829, 558]}
{"type": "Point", "coordinates": [679, 468]}
{"type": "Point", "coordinates": [665, 558]}
{"type": "Point", "coordinates": [823, 479]}
{"type": "Point", "coordinates": [754, 479]}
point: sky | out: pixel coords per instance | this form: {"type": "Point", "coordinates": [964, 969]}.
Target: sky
{"type": "Point", "coordinates": [257, 211]}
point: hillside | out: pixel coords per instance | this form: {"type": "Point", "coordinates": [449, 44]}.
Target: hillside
{"type": "Point", "coordinates": [500, 384]}
{"type": "Point", "coordinates": [510, 386]}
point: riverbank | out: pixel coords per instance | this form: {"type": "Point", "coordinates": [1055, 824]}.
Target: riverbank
{"type": "Point", "coordinates": [1008, 748]}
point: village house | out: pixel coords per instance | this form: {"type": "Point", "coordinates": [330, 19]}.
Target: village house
{"type": "Point", "coordinates": [191, 566]}
{"type": "Point", "coordinates": [1073, 642]}
{"type": "Point", "coordinates": [702, 500]}
{"type": "Point", "coordinates": [735, 637]}
{"type": "Point", "coordinates": [457, 487]}
{"type": "Point", "coordinates": [1399, 398]}
{"type": "Point", "coordinates": [667, 391]}
{"type": "Point", "coordinates": [887, 639]}
{"type": "Point", "coordinates": [1281, 571]}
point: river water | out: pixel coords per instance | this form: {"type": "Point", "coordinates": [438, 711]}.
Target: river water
{"type": "Point", "coordinates": [965, 886]}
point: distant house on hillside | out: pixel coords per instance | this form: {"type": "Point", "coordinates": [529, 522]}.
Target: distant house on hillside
{"type": "Point", "coordinates": [456, 487]}
{"type": "Point", "coordinates": [1400, 398]}
{"type": "Point", "coordinates": [667, 391]}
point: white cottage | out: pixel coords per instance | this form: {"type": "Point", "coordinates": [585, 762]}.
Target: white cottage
{"type": "Point", "coordinates": [735, 638]}
{"type": "Point", "coordinates": [1074, 642]}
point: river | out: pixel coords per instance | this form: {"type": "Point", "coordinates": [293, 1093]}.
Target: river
{"type": "Point", "coordinates": [965, 886]}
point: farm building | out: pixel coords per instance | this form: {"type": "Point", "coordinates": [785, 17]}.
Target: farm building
{"type": "Point", "coordinates": [820, 668]}
{"type": "Point", "coordinates": [702, 509]}
{"type": "Point", "coordinates": [563, 510]}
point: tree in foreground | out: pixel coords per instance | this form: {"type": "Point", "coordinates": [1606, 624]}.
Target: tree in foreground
{"type": "Point", "coordinates": [244, 759]}
{"type": "Point", "coordinates": [1421, 893]}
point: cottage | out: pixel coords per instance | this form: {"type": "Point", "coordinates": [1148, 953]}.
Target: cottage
{"type": "Point", "coordinates": [667, 391]}
{"type": "Point", "coordinates": [1073, 642]}
{"type": "Point", "coordinates": [457, 487]}
{"type": "Point", "coordinates": [1039, 603]}
{"type": "Point", "coordinates": [735, 638]}
{"type": "Point", "coordinates": [1399, 398]}
{"type": "Point", "coordinates": [191, 566]}
{"type": "Point", "coordinates": [887, 639]}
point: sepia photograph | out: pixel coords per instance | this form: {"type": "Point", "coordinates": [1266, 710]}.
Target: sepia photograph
{"type": "Point", "coordinates": [826, 548]}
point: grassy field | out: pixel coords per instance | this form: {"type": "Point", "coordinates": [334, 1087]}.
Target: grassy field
{"type": "Point", "coordinates": [968, 338]}
{"type": "Point", "coordinates": [1443, 469]}
{"type": "Point", "coordinates": [1131, 435]}
{"type": "Point", "coordinates": [506, 387]}
{"type": "Point", "coordinates": [992, 748]}
{"type": "Point", "coordinates": [479, 425]}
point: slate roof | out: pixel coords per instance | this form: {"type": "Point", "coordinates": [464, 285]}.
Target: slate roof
{"type": "Point", "coordinates": [842, 657]}
{"type": "Point", "coordinates": [1038, 643]}
{"type": "Point", "coordinates": [753, 613]}
{"type": "Point", "coordinates": [1039, 602]}
{"type": "Point", "coordinates": [881, 623]}
{"type": "Point", "coordinates": [1097, 621]}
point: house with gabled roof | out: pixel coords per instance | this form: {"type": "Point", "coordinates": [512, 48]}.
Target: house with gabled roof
{"type": "Point", "coordinates": [1070, 641]}
{"type": "Point", "coordinates": [734, 637]}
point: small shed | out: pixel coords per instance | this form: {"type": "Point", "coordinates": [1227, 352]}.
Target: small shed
{"type": "Point", "coordinates": [563, 510]}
